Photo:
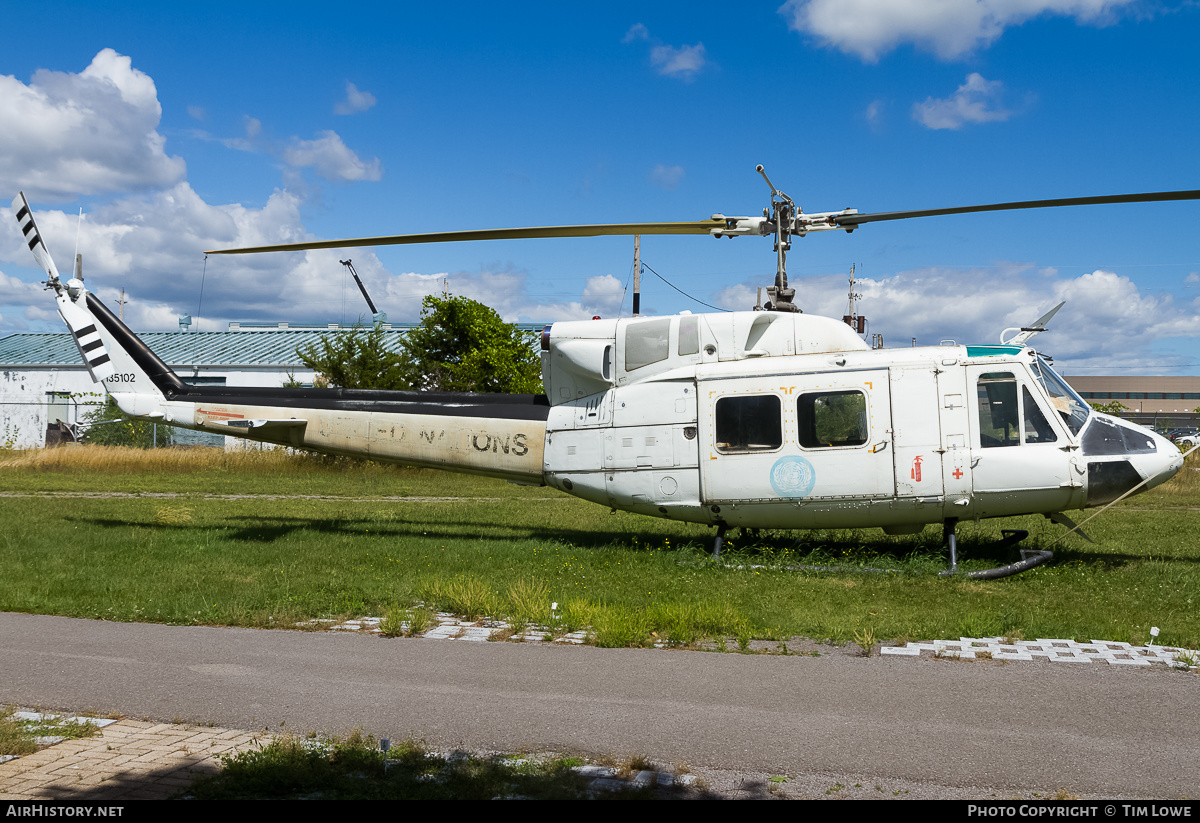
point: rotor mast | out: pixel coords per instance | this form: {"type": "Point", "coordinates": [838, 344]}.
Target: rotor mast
{"type": "Point", "coordinates": [783, 208]}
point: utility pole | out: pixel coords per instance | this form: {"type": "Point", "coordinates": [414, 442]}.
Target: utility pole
{"type": "Point", "coordinates": [637, 274]}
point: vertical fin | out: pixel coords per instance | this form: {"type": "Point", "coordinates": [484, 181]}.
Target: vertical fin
{"type": "Point", "coordinates": [87, 338]}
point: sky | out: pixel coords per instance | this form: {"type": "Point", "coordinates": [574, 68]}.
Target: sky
{"type": "Point", "coordinates": [217, 125]}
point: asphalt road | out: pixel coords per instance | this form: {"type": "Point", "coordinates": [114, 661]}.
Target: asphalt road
{"type": "Point", "coordinates": [982, 726]}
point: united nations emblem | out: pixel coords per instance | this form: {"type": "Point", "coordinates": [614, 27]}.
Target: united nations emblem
{"type": "Point", "coordinates": [793, 477]}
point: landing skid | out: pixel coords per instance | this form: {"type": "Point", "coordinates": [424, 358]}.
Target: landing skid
{"type": "Point", "coordinates": [1030, 558]}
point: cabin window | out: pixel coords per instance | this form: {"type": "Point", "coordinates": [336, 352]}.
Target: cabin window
{"type": "Point", "coordinates": [831, 419]}
{"type": "Point", "coordinates": [647, 342]}
{"type": "Point", "coordinates": [689, 335]}
{"type": "Point", "coordinates": [749, 423]}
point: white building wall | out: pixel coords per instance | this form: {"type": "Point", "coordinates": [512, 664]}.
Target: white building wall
{"type": "Point", "coordinates": [24, 406]}
{"type": "Point", "coordinates": [23, 402]}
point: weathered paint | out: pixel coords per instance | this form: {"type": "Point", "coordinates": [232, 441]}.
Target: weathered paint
{"type": "Point", "coordinates": [494, 447]}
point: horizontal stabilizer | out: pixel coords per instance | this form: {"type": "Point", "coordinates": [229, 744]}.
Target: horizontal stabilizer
{"type": "Point", "coordinates": [261, 425]}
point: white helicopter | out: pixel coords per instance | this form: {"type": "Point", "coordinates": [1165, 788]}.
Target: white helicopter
{"type": "Point", "coordinates": [753, 419]}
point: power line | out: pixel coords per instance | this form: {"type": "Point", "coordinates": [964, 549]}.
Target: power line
{"type": "Point", "coordinates": [681, 291]}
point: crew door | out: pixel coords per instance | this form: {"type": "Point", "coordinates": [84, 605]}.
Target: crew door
{"type": "Point", "coordinates": [1021, 460]}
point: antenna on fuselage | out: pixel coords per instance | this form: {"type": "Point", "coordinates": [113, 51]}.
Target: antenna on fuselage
{"type": "Point", "coordinates": [852, 318]}
{"type": "Point", "coordinates": [1026, 332]}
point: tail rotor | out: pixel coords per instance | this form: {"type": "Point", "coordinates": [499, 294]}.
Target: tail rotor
{"type": "Point", "coordinates": [71, 298]}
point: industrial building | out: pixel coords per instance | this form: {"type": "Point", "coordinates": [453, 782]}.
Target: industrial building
{"type": "Point", "coordinates": [1159, 402]}
{"type": "Point", "coordinates": [46, 392]}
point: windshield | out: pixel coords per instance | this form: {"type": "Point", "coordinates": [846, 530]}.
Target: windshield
{"type": "Point", "coordinates": [1066, 402]}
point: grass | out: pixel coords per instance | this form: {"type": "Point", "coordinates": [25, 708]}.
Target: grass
{"type": "Point", "coordinates": [20, 736]}
{"type": "Point", "coordinates": [268, 539]}
{"type": "Point", "coordinates": [356, 769]}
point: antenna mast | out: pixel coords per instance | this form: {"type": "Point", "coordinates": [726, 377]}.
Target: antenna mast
{"type": "Point", "coordinates": [852, 319]}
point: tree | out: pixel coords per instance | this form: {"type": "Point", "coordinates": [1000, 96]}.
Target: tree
{"type": "Point", "coordinates": [463, 345]}
{"type": "Point", "coordinates": [107, 425]}
{"type": "Point", "coordinates": [460, 345]}
{"type": "Point", "coordinates": [358, 359]}
{"type": "Point", "coordinates": [1114, 408]}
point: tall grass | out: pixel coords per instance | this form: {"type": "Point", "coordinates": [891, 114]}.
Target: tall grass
{"type": "Point", "coordinates": [123, 459]}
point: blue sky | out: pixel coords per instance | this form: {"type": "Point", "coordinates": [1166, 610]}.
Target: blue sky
{"type": "Point", "coordinates": [232, 124]}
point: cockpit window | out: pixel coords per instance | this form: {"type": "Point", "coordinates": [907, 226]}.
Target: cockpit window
{"type": "Point", "coordinates": [1004, 422]}
{"type": "Point", "coordinates": [1037, 427]}
{"type": "Point", "coordinates": [1066, 402]}
{"type": "Point", "coordinates": [998, 419]}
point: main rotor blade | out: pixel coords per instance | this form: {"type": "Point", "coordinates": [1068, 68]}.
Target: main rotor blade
{"type": "Point", "coordinates": [1149, 197]}
{"type": "Point", "coordinates": [693, 227]}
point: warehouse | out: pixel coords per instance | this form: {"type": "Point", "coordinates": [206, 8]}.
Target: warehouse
{"type": "Point", "coordinates": [46, 392]}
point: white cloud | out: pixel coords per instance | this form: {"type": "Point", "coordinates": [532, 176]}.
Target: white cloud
{"type": "Point", "coordinates": [151, 246]}
{"type": "Point", "coordinates": [1107, 323]}
{"type": "Point", "coordinates": [636, 32]}
{"type": "Point", "coordinates": [331, 158]}
{"type": "Point", "coordinates": [684, 62]}
{"type": "Point", "coordinates": [666, 177]}
{"type": "Point", "coordinates": [18, 292]}
{"type": "Point", "coordinates": [738, 297]}
{"type": "Point", "coordinates": [355, 101]}
{"type": "Point", "coordinates": [70, 134]}
{"type": "Point", "coordinates": [603, 295]}
{"type": "Point", "coordinates": [975, 101]}
{"type": "Point", "coordinates": [252, 127]}
{"type": "Point", "coordinates": [149, 238]}
{"type": "Point", "coordinates": [870, 29]}
{"type": "Point", "coordinates": [503, 288]}
{"type": "Point", "coordinates": [874, 113]}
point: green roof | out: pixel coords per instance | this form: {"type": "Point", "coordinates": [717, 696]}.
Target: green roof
{"type": "Point", "coordinates": [240, 347]}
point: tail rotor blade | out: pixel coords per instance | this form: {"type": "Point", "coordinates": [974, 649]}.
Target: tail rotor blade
{"type": "Point", "coordinates": [78, 319]}
{"type": "Point", "coordinates": [33, 237]}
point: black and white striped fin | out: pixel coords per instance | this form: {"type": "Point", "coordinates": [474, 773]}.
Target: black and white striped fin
{"type": "Point", "coordinates": [87, 338]}
{"type": "Point", "coordinates": [33, 237]}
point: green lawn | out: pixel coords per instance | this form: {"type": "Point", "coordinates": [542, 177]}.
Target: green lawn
{"type": "Point", "coordinates": [318, 537]}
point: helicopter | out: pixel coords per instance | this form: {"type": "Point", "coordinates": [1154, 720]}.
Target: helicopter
{"type": "Point", "coordinates": [771, 419]}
